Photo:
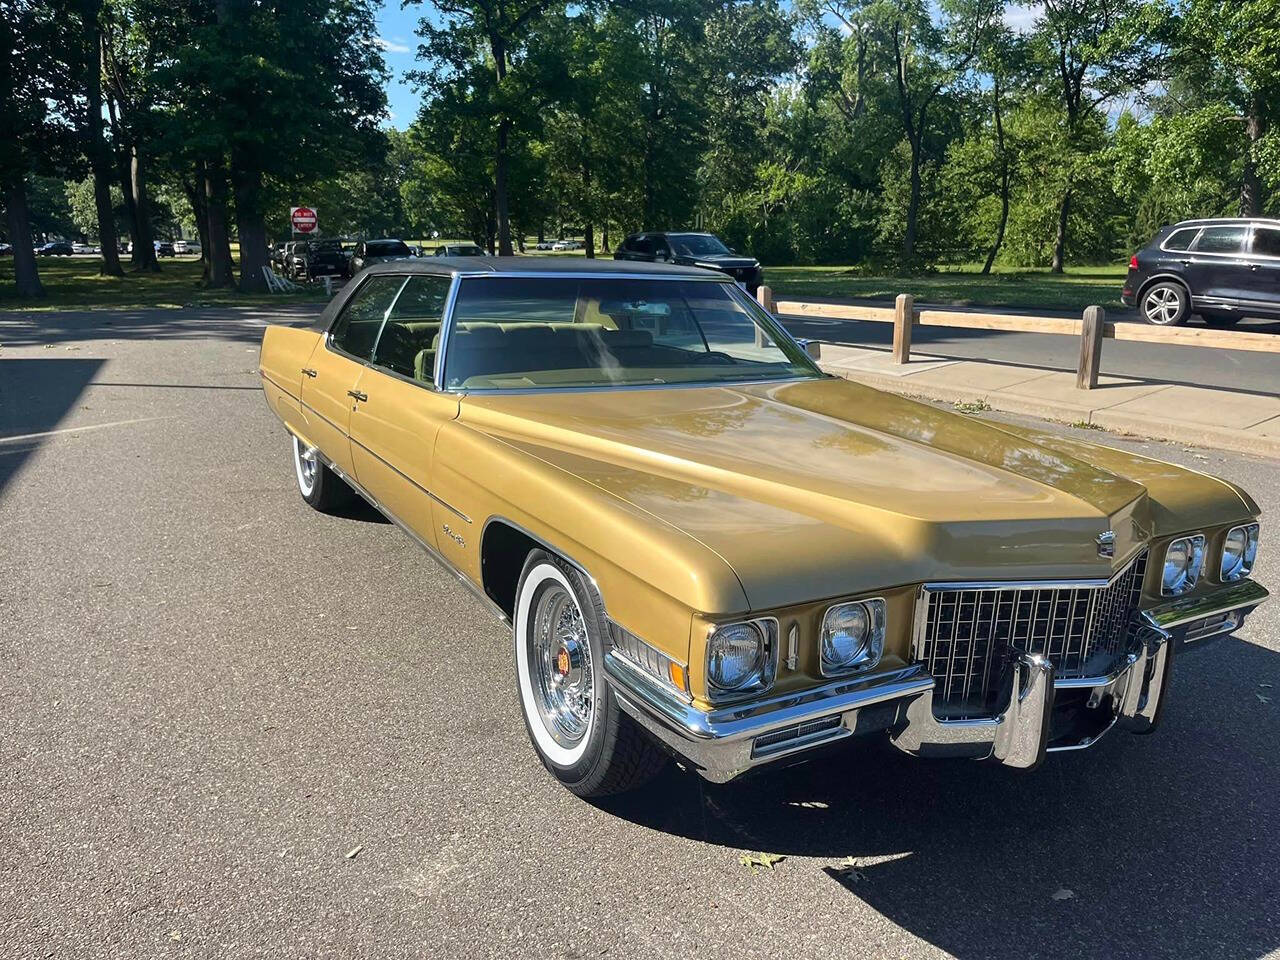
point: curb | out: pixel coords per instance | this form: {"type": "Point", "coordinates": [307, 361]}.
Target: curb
{"type": "Point", "coordinates": [1177, 431]}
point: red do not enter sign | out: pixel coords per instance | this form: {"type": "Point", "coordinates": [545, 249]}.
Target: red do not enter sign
{"type": "Point", "coordinates": [303, 219]}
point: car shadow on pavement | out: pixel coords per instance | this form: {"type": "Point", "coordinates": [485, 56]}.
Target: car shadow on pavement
{"type": "Point", "coordinates": [36, 394]}
{"type": "Point", "coordinates": [1143, 846]}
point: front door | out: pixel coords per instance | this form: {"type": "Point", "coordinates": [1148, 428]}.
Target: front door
{"type": "Point", "coordinates": [337, 363]}
{"type": "Point", "coordinates": [394, 425]}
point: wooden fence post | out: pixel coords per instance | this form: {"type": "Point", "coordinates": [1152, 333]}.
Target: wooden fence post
{"type": "Point", "coordinates": [1090, 348]}
{"type": "Point", "coordinates": [765, 297]}
{"type": "Point", "coordinates": [904, 316]}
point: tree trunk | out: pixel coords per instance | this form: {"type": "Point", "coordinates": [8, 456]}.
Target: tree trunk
{"type": "Point", "coordinates": [1003, 157]}
{"type": "Point", "coordinates": [500, 188]}
{"type": "Point", "coordinates": [913, 207]}
{"type": "Point", "coordinates": [215, 202]}
{"type": "Point", "coordinates": [604, 236]}
{"type": "Point", "coordinates": [246, 184]}
{"type": "Point", "coordinates": [588, 229]}
{"type": "Point", "coordinates": [144, 247]}
{"type": "Point", "coordinates": [1250, 182]}
{"type": "Point", "coordinates": [97, 147]}
{"type": "Point", "coordinates": [1060, 242]}
{"type": "Point", "coordinates": [194, 189]}
{"type": "Point", "coordinates": [25, 271]}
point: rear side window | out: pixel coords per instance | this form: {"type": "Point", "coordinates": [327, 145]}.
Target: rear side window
{"type": "Point", "coordinates": [643, 245]}
{"type": "Point", "coordinates": [1222, 240]}
{"type": "Point", "coordinates": [1266, 241]}
{"type": "Point", "coordinates": [408, 342]}
{"type": "Point", "coordinates": [356, 330]}
{"type": "Point", "coordinates": [1181, 239]}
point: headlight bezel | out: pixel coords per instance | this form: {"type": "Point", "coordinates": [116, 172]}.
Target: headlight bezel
{"type": "Point", "coordinates": [871, 649]}
{"type": "Point", "coordinates": [765, 671]}
{"type": "Point", "coordinates": [1191, 571]}
{"type": "Point", "coordinates": [1248, 555]}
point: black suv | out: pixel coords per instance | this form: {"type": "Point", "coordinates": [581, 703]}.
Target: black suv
{"type": "Point", "coordinates": [317, 258]}
{"type": "Point", "coordinates": [1221, 269]}
{"type": "Point", "coordinates": [692, 250]}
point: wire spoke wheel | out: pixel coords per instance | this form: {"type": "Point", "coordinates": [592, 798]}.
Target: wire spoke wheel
{"type": "Point", "coordinates": [560, 666]}
{"type": "Point", "coordinates": [306, 464]}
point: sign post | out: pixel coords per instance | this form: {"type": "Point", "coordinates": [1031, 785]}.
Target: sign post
{"type": "Point", "coordinates": [303, 220]}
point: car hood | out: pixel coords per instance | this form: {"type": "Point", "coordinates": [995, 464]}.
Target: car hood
{"type": "Point", "coordinates": [720, 261]}
{"type": "Point", "coordinates": [820, 488]}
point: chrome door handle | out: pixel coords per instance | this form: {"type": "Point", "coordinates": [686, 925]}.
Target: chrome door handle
{"type": "Point", "coordinates": [360, 397]}
{"type": "Point", "coordinates": [1185, 263]}
{"type": "Point", "coordinates": [1253, 266]}
{"type": "Point", "coordinates": [308, 372]}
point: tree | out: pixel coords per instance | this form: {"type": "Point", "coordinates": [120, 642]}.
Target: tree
{"type": "Point", "coordinates": [498, 30]}
{"type": "Point", "coordinates": [1089, 52]}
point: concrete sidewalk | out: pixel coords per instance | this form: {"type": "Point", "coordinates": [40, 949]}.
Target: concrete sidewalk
{"type": "Point", "coordinates": [1228, 420]}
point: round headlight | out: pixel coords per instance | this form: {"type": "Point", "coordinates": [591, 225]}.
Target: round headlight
{"type": "Point", "coordinates": [852, 635]}
{"type": "Point", "coordinates": [1182, 565]}
{"type": "Point", "coordinates": [844, 634]}
{"type": "Point", "coordinates": [735, 654]}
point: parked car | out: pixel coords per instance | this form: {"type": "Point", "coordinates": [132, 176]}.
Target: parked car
{"type": "Point", "coordinates": [309, 259]}
{"type": "Point", "coordinates": [6, 250]}
{"type": "Point", "coordinates": [83, 248]}
{"type": "Point", "coordinates": [369, 252]}
{"type": "Point", "coordinates": [1223, 269]}
{"type": "Point", "coordinates": [186, 248]}
{"type": "Point", "coordinates": [545, 245]}
{"type": "Point", "coordinates": [164, 248]}
{"type": "Point", "coordinates": [704, 545]}
{"type": "Point", "coordinates": [459, 250]}
{"type": "Point", "coordinates": [276, 254]}
{"type": "Point", "coordinates": [566, 245]}
{"type": "Point", "coordinates": [694, 250]}
{"type": "Point", "coordinates": [55, 248]}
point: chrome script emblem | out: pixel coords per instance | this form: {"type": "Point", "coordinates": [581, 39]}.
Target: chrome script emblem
{"type": "Point", "coordinates": [1106, 541]}
{"type": "Point", "coordinates": [455, 537]}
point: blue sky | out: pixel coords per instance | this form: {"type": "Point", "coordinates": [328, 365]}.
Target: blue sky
{"type": "Point", "coordinates": [395, 30]}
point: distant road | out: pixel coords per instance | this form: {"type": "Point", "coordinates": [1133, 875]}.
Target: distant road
{"type": "Point", "coordinates": [1226, 369]}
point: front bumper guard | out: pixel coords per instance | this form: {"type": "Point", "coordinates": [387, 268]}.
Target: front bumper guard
{"type": "Point", "coordinates": [726, 742]}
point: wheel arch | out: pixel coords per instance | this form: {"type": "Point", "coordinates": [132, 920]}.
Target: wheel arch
{"type": "Point", "coordinates": [504, 546]}
{"type": "Point", "coordinates": [1148, 283]}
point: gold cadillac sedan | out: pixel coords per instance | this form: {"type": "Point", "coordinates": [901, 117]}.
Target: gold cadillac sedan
{"type": "Point", "coordinates": [704, 546]}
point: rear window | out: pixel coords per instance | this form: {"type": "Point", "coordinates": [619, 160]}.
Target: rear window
{"type": "Point", "coordinates": [1181, 239]}
{"type": "Point", "coordinates": [386, 248]}
{"type": "Point", "coordinates": [1222, 239]}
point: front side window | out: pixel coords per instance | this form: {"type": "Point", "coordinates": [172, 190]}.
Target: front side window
{"type": "Point", "coordinates": [407, 344]}
{"type": "Point", "coordinates": [548, 332]}
{"type": "Point", "coordinates": [356, 330]}
{"type": "Point", "coordinates": [1222, 239]}
{"type": "Point", "coordinates": [1266, 241]}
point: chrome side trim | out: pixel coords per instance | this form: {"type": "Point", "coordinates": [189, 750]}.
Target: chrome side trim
{"type": "Point", "coordinates": [712, 276]}
{"type": "Point", "coordinates": [408, 479]}
{"type": "Point", "coordinates": [413, 535]}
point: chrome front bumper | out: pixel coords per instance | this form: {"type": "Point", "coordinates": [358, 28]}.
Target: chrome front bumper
{"type": "Point", "coordinates": [726, 742]}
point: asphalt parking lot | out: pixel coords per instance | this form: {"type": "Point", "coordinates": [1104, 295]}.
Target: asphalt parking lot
{"type": "Point", "coordinates": [230, 726]}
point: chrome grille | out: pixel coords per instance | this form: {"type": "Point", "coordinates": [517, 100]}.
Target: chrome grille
{"type": "Point", "coordinates": [966, 636]}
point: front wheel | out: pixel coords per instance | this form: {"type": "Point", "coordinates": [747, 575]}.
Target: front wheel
{"type": "Point", "coordinates": [580, 733]}
{"type": "Point", "coordinates": [1165, 304]}
{"type": "Point", "coordinates": [320, 487]}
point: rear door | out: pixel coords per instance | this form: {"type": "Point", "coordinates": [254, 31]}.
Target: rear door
{"type": "Point", "coordinates": [329, 384]}
{"type": "Point", "coordinates": [1219, 272]}
{"type": "Point", "coordinates": [394, 426]}
{"type": "Point", "coordinates": [1264, 265]}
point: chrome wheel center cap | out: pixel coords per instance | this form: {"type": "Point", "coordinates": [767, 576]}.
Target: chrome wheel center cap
{"type": "Point", "coordinates": [568, 664]}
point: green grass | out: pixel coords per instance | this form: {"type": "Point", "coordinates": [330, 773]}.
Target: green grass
{"type": "Point", "coordinates": [960, 285]}
{"type": "Point", "coordinates": [74, 284]}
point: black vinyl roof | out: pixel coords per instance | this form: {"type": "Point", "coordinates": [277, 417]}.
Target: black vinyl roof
{"type": "Point", "coordinates": [534, 266]}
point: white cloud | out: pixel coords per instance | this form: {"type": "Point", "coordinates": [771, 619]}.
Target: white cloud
{"type": "Point", "coordinates": [391, 46]}
{"type": "Point", "coordinates": [1022, 19]}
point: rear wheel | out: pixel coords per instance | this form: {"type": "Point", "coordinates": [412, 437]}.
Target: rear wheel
{"type": "Point", "coordinates": [320, 487]}
{"type": "Point", "coordinates": [1166, 304]}
{"type": "Point", "coordinates": [580, 733]}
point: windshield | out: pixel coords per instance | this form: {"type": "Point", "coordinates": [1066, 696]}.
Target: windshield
{"type": "Point", "coordinates": [386, 248]}
{"type": "Point", "coordinates": [696, 244]}
{"type": "Point", "coordinates": [514, 333]}
{"type": "Point", "coordinates": [326, 246]}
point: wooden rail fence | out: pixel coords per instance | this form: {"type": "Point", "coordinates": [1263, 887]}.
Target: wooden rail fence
{"type": "Point", "coordinates": [1092, 328]}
